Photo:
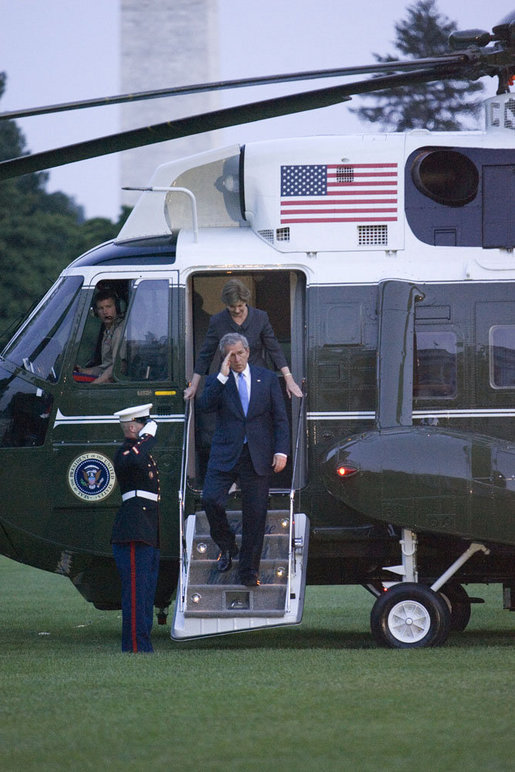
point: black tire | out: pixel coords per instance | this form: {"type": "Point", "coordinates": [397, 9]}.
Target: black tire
{"type": "Point", "coordinates": [459, 605]}
{"type": "Point", "coordinates": [410, 616]}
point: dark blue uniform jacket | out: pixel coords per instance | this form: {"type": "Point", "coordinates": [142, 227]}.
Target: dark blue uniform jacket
{"type": "Point", "coordinates": [138, 518]}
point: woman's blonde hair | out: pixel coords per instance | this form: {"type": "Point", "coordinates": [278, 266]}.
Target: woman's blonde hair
{"type": "Point", "coordinates": [235, 291]}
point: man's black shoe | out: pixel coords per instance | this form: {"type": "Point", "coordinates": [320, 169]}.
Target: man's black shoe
{"type": "Point", "coordinates": [250, 580]}
{"type": "Point", "coordinates": [224, 561]}
{"type": "Point", "coordinates": [225, 557]}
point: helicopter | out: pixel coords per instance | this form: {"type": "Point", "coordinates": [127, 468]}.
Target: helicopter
{"type": "Point", "coordinates": [386, 267]}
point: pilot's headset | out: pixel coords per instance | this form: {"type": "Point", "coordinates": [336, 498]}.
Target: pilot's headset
{"type": "Point", "coordinates": [104, 294]}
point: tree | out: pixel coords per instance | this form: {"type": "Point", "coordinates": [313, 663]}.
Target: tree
{"type": "Point", "coordinates": [40, 232]}
{"type": "Point", "coordinates": [441, 105]}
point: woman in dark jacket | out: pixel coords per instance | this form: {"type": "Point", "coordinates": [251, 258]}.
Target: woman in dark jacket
{"type": "Point", "coordinates": [251, 322]}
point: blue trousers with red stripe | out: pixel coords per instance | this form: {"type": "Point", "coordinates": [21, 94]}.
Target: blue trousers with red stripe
{"type": "Point", "coordinates": [138, 566]}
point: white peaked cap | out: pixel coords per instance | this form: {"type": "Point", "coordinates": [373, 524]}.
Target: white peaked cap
{"type": "Point", "coordinates": [133, 413]}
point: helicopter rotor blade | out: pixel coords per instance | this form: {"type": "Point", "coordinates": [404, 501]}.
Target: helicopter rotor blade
{"type": "Point", "coordinates": [218, 119]}
{"type": "Point", "coordinates": [378, 67]}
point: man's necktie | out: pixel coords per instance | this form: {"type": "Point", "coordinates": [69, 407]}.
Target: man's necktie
{"type": "Point", "coordinates": [244, 395]}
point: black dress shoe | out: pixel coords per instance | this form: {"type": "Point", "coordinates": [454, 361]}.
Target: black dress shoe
{"type": "Point", "coordinates": [250, 580]}
{"type": "Point", "coordinates": [224, 561]}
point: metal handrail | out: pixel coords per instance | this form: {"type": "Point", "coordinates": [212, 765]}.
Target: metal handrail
{"type": "Point", "coordinates": [291, 540]}
{"type": "Point", "coordinates": [183, 557]}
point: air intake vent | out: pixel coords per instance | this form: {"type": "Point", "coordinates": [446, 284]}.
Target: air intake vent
{"type": "Point", "coordinates": [344, 174]}
{"type": "Point", "coordinates": [509, 114]}
{"type": "Point", "coordinates": [501, 114]}
{"type": "Point", "coordinates": [372, 235]}
{"type": "Point", "coordinates": [282, 234]}
{"type": "Point", "coordinates": [267, 234]}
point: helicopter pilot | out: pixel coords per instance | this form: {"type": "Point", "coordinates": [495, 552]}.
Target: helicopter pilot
{"type": "Point", "coordinates": [106, 308]}
{"type": "Point", "coordinates": [135, 535]}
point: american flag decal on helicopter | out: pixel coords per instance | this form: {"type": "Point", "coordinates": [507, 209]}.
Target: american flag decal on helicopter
{"type": "Point", "coordinates": [315, 193]}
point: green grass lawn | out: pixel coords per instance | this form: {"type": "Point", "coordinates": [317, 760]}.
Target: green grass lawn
{"type": "Point", "coordinates": [319, 696]}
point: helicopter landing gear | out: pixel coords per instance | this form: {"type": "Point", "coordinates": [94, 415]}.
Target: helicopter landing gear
{"type": "Point", "coordinates": [411, 615]}
{"type": "Point", "coordinates": [459, 605]}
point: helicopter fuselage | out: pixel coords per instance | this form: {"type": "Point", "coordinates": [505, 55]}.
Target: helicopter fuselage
{"type": "Point", "coordinates": [385, 263]}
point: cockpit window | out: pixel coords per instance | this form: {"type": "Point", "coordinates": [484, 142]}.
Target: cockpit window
{"type": "Point", "coordinates": [24, 412]}
{"type": "Point", "coordinates": [40, 344]}
{"type": "Point", "coordinates": [145, 350]}
{"type": "Point", "coordinates": [502, 356]}
{"type": "Point", "coordinates": [435, 364]}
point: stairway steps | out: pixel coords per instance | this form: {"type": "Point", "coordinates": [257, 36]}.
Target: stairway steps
{"type": "Point", "coordinates": [211, 593]}
{"type": "Point", "coordinates": [206, 572]}
{"type": "Point", "coordinates": [235, 600]}
{"type": "Point", "coordinates": [277, 521]}
{"type": "Point", "coordinates": [216, 603]}
{"type": "Point", "coordinates": [275, 546]}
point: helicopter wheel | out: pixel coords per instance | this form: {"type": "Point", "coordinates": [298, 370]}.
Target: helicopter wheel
{"type": "Point", "coordinates": [409, 616]}
{"type": "Point", "coordinates": [459, 605]}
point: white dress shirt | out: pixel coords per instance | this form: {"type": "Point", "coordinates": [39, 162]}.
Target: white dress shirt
{"type": "Point", "coordinates": [246, 374]}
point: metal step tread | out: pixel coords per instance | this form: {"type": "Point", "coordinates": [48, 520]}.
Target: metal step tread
{"type": "Point", "coordinates": [275, 547]}
{"type": "Point", "coordinates": [262, 587]}
{"type": "Point", "coordinates": [276, 519]}
{"type": "Point", "coordinates": [272, 571]}
{"type": "Point", "coordinates": [235, 599]}
{"type": "Point", "coordinates": [237, 613]}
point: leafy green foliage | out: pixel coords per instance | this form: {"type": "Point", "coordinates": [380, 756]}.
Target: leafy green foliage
{"type": "Point", "coordinates": [441, 106]}
{"type": "Point", "coordinates": [40, 232]}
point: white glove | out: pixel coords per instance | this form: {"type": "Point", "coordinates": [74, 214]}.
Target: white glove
{"type": "Point", "coordinates": [149, 428]}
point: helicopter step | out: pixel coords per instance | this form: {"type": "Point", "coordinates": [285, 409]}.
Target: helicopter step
{"type": "Point", "coordinates": [213, 603]}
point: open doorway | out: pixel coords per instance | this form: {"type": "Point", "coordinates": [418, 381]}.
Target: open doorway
{"type": "Point", "coordinates": [281, 294]}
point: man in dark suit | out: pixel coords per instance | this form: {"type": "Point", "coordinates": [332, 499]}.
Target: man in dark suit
{"type": "Point", "coordinates": [251, 441]}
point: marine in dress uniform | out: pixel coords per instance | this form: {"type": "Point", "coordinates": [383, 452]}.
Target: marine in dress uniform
{"type": "Point", "coordinates": [135, 536]}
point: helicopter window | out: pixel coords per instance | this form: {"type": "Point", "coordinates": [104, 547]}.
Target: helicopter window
{"type": "Point", "coordinates": [102, 334]}
{"type": "Point", "coordinates": [435, 364]}
{"type": "Point", "coordinates": [24, 412]}
{"type": "Point", "coordinates": [40, 345]}
{"type": "Point", "coordinates": [502, 356]}
{"type": "Point", "coordinates": [145, 351]}
{"type": "Point", "coordinates": [446, 176]}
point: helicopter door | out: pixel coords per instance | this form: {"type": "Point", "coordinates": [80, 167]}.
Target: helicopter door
{"type": "Point", "coordinates": [498, 203]}
{"type": "Point", "coordinates": [85, 433]}
{"type": "Point", "coordinates": [282, 295]}
{"type": "Point", "coordinates": [495, 373]}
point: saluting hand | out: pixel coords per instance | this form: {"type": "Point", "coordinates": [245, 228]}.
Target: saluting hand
{"type": "Point", "coordinates": [225, 367]}
{"type": "Point", "coordinates": [149, 428]}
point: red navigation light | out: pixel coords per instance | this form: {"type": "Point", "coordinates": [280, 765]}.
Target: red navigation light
{"type": "Point", "coordinates": [345, 471]}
